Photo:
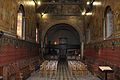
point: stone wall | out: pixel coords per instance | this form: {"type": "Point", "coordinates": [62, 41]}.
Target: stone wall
{"type": "Point", "coordinates": [18, 58]}
{"type": "Point", "coordinates": [75, 21]}
{"type": "Point", "coordinates": [103, 53]}
{"type": "Point", "coordinates": [8, 17]}
{"type": "Point", "coordinates": [100, 51]}
{"type": "Point", "coordinates": [96, 21]}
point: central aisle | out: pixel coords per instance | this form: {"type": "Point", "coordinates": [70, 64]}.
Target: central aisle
{"type": "Point", "coordinates": [62, 70]}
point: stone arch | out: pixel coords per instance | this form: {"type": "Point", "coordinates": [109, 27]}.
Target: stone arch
{"type": "Point", "coordinates": [76, 27]}
{"type": "Point", "coordinates": [63, 27]}
{"type": "Point", "coordinates": [21, 9]}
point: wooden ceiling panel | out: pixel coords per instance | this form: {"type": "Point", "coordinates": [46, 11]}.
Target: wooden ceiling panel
{"type": "Point", "coordinates": [65, 7]}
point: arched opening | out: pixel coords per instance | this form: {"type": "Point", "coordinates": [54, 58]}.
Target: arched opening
{"type": "Point", "coordinates": [21, 22]}
{"type": "Point", "coordinates": [62, 40]}
{"type": "Point", "coordinates": [108, 22]}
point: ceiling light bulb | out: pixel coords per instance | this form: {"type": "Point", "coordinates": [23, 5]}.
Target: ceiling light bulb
{"type": "Point", "coordinates": [89, 13]}
{"type": "Point", "coordinates": [42, 14]}
{"type": "Point", "coordinates": [39, 3]}
{"type": "Point", "coordinates": [31, 3]}
{"type": "Point", "coordinates": [88, 3]}
{"type": "Point", "coordinates": [96, 3]}
{"type": "Point", "coordinates": [83, 13]}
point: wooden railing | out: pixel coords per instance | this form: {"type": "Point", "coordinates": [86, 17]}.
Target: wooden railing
{"type": "Point", "coordinates": [18, 57]}
{"type": "Point", "coordinates": [104, 52]}
{"type": "Point", "coordinates": [5, 40]}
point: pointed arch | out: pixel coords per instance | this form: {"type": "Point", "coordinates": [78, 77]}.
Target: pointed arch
{"type": "Point", "coordinates": [21, 22]}
{"type": "Point", "coordinates": [108, 22]}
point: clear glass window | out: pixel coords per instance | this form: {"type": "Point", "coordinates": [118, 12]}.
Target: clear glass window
{"type": "Point", "coordinates": [19, 25]}
{"type": "Point", "coordinates": [108, 23]}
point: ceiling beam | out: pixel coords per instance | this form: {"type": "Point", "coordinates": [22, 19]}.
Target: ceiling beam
{"type": "Point", "coordinates": [59, 3]}
{"type": "Point", "coordinates": [65, 14]}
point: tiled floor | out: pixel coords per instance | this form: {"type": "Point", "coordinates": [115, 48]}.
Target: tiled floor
{"type": "Point", "coordinates": [62, 70]}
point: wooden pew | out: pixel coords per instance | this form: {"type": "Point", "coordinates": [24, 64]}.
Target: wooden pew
{"type": "Point", "coordinates": [1, 73]}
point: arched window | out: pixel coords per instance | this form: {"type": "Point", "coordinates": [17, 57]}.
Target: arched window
{"type": "Point", "coordinates": [37, 31]}
{"type": "Point", "coordinates": [21, 22]}
{"type": "Point", "coordinates": [108, 23]}
{"type": "Point", "coordinates": [37, 41]}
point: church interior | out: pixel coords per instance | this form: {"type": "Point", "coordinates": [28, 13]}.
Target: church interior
{"type": "Point", "coordinates": [59, 40]}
